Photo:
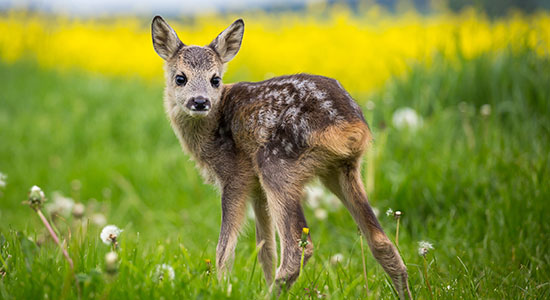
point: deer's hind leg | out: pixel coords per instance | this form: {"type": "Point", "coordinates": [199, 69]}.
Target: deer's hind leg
{"type": "Point", "coordinates": [265, 233]}
{"type": "Point", "coordinates": [283, 182]}
{"type": "Point", "coordinates": [345, 182]}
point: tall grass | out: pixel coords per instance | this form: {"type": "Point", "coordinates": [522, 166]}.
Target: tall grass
{"type": "Point", "coordinates": [473, 184]}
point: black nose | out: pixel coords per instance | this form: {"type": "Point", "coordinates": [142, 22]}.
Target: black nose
{"type": "Point", "coordinates": [199, 103]}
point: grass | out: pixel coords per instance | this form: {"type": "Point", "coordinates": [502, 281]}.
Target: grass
{"type": "Point", "coordinates": [476, 186]}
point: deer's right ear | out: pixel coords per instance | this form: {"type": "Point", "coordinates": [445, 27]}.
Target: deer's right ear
{"type": "Point", "coordinates": [165, 39]}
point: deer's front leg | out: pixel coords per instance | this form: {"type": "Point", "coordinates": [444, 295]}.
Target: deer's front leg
{"type": "Point", "coordinates": [233, 211]}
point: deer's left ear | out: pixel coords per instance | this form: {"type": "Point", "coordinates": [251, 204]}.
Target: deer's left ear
{"type": "Point", "coordinates": [228, 43]}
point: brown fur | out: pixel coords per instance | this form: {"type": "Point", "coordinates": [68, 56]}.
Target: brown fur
{"type": "Point", "coordinates": [267, 140]}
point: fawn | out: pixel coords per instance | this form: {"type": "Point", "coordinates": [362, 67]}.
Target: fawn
{"type": "Point", "coordinates": [264, 141]}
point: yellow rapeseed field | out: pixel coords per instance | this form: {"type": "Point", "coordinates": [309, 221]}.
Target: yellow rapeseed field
{"type": "Point", "coordinates": [361, 50]}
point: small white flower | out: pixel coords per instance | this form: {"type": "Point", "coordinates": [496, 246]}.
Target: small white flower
{"type": "Point", "coordinates": [337, 258]}
{"type": "Point", "coordinates": [61, 205]}
{"type": "Point", "coordinates": [397, 213]}
{"type": "Point", "coordinates": [485, 110]}
{"type": "Point", "coordinates": [424, 247]}
{"type": "Point", "coordinates": [320, 214]}
{"type": "Point", "coordinates": [3, 180]}
{"type": "Point", "coordinates": [109, 234]}
{"type": "Point", "coordinates": [164, 271]}
{"type": "Point", "coordinates": [389, 212]}
{"type": "Point", "coordinates": [406, 117]}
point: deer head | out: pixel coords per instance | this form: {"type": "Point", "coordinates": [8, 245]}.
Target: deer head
{"type": "Point", "coordinates": [193, 73]}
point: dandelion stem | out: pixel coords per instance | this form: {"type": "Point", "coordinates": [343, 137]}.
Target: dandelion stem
{"type": "Point", "coordinates": [302, 260]}
{"type": "Point", "coordinates": [397, 233]}
{"type": "Point", "coordinates": [364, 265]}
{"type": "Point", "coordinates": [55, 238]}
{"type": "Point", "coordinates": [426, 277]}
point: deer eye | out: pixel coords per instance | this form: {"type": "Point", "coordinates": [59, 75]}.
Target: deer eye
{"type": "Point", "coordinates": [181, 79]}
{"type": "Point", "coordinates": [215, 81]}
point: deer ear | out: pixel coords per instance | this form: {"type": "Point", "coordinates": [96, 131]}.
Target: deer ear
{"type": "Point", "coordinates": [165, 39]}
{"type": "Point", "coordinates": [228, 43]}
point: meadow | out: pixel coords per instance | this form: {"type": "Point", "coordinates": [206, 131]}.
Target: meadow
{"type": "Point", "coordinates": [81, 113]}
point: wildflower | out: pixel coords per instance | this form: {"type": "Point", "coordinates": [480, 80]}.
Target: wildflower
{"type": "Point", "coordinates": [406, 117]}
{"type": "Point", "coordinates": [109, 235]}
{"type": "Point", "coordinates": [208, 266]}
{"type": "Point", "coordinates": [485, 110]}
{"type": "Point", "coordinates": [424, 247]}
{"type": "Point", "coordinates": [99, 219]}
{"type": "Point", "coordinates": [78, 210]}
{"type": "Point", "coordinates": [164, 271]}
{"type": "Point", "coordinates": [389, 212]}
{"type": "Point", "coordinates": [36, 197]}
{"type": "Point", "coordinates": [111, 262]}
{"type": "Point", "coordinates": [320, 213]}
{"type": "Point", "coordinates": [303, 239]}
{"type": "Point", "coordinates": [397, 214]}
{"type": "Point", "coordinates": [61, 205]}
{"type": "Point", "coordinates": [337, 258]}
{"type": "Point", "coordinates": [3, 179]}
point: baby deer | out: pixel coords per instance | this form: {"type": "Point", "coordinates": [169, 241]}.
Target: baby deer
{"type": "Point", "coordinates": [265, 140]}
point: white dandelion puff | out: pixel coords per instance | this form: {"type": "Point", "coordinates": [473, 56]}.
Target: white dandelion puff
{"type": "Point", "coordinates": [424, 247]}
{"type": "Point", "coordinates": [109, 234]}
{"type": "Point", "coordinates": [397, 213]}
{"type": "Point", "coordinates": [164, 271]}
{"type": "Point", "coordinates": [3, 180]}
{"type": "Point", "coordinates": [314, 194]}
{"type": "Point", "coordinates": [60, 205]}
{"type": "Point", "coordinates": [320, 214]}
{"type": "Point", "coordinates": [406, 117]}
{"type": "Point", "coordinates": [485, 110]}
{"type": "Point", "coordinates": [337, 258]}
{"type": "Point", "coordinates": [111, 262]}
{"type": "Point", "coordinates": [78, 210]}
{"type": "Point", "coordinates": [99, 219]}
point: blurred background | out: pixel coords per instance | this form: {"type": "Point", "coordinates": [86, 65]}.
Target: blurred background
{"type": "Point", "coordinates": [456, 92]}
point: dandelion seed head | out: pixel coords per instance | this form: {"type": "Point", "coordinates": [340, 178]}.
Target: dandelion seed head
{"type": "Point", "coordinates": [109, 234]}
{"type": "Point", "coordinates": [485, 110]}
{"type": "Point", "coordinates": [320, 214]}
{"type": "Point", "coordinates": [36, 197]}
{"type": "Point", "coordinates": [164, 271]}
{"type": "Point", "coordinates": [111, 262]}
{"type": "Point", "coordinates": [60, 205]}
{"type": "Point", "coordinates": [314, 194]}
{"type": "Point", "coordinates": [424, 247]}
{"type": "Point", "coordinates": [78, 210]}
{"type": "Point", "coordinates": [397, 213]}
{"type": "Point", "coordinates": [406, 117]}
{"type": "Point", "coordinates": [99, 219]}
{"type": "Point", "coordinates": [337, 258]}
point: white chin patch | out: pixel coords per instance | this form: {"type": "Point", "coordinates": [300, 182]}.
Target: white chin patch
{"type": "Point", "coordinates": [198, 113]}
